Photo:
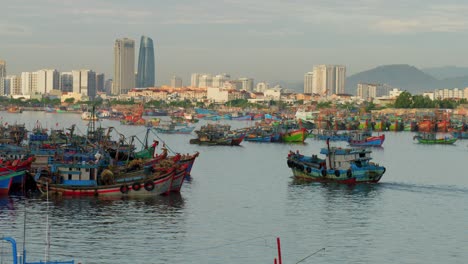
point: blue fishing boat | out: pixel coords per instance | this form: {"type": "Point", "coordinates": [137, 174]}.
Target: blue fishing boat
{"type": "Point", "coordinates": [341, 165]}
{"type": "Point", "coordinates": [365, 139]}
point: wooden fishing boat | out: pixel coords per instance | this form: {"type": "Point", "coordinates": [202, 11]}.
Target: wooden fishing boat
{"type": "Point", "coordinates": [434, 138]}
{"type": "Point", "coordinates": [87, 179]}
{"type": "Point", "coordinates": [349, 166]}
{"type": "Point", "coordinates": [13, 172]}
{"type": "Point", "coordinates": [365, 139]}
{"type": "Point", "coordinates": [218, 134]}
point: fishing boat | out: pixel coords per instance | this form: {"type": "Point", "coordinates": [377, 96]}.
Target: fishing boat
{"type": "Point", "coordinates": [341, 165]}
{"type": "Point", "coordinates": [218, 134]}
{"type": "Point", "coordinates": [434, 138]}
{"type": "Point", "coordinates": [365, 139]}
{"type": "Point", "coordinates": [15, 109]}
{"type": "Point", "coordinates": [90, 179]}
{"type": "Point", "coordinates": [292, 131]}
{"type": "Point", "coordinates": [14, 169]}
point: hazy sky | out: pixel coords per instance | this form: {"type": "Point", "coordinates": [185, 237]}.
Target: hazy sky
{"type": "Point", "coordinates": [264, 39]}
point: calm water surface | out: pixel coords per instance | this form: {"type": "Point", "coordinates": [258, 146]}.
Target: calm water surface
{"type": "Point", "coordinates": [241, 198]}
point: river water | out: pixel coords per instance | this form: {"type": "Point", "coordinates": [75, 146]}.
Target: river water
{"type": "Point", "coordinates": [240, 199]}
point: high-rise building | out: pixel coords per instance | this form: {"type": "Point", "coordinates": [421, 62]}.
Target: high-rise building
{"type": "Point", "coordinates": [2, 77]}
{"type": "Point", "coordinates": [328, 79]}
{"type": "Point", "coordinates": [195, 79]}
{"type": "Point", "coordinates": [247, 84]}
{"type": "Point", "coordinates": [308, 82]}
{"type": "Point", "coordinates": [28, 83]}
{"type": "Point", "coordinates": [47, 80]}
{"type": "Point", "coordinates": [66, 82]}
{"type": "Point", "coordinates": [145, 77]}
{"type": "Point", "coordinates": [108, 86]}
{"type": "Point", "coordinates": [84, 82]}
{"type": "Point", "coordinates": [124, 66]}
{"type": "Point", "coordinates": [100, 82]}
{"type": "Point", "coordinates": [205, 81]}
{"type": "Point", "coordinates": [176, 82]}
{"type": "Point", "coordinates": [14, 85]}
{"type": "Point", "coordinates": [218, 80]}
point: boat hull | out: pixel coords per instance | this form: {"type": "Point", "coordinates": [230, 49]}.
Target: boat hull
{"type": "Point", "coordinates": [132, 188]}
{"type": "Point", "coordinates": [295, 136]}
{"type": "Point", "coordinates": [353, 176]}
{"type": "Point", "coordinates": [368, 142]}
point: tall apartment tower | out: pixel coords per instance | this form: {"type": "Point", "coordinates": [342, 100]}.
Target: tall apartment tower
{"type": "Point", "coordinates": [146, 71]}
{"type": "Point", "coordinates": [176, 82]}
{"type": "Point", "coordinates": [99, 82]}
{"type": "Point", "coordinates": [2, 76]}
{"type": "Point", "coordinates": [124, 66]}
{"type": "Point", "coordinates": [328, 79]}
{"type": "Point", "coordinates": [66, 82]}
{"type": "Point", "coordinates": [84, 82]}
{"type": "Point", "coordinates": [247, 84]}
{"type": "Point", "coordinates": [28, 83]}
{"type": "Point", "coordinates": [47, 80]}
{"type": "Point", "coordinates": [308, 82]}
{"type": "Point", "coordinates": [195, 79]}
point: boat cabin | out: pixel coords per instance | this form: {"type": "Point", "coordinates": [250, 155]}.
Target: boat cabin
{"type": "Point", "coordinates": [339, 158]}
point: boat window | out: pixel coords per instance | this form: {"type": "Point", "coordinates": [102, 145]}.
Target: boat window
{"type": "Point", "coordinates": [69, 176]}
{"type": "Point", "coordinates": [362, 155]}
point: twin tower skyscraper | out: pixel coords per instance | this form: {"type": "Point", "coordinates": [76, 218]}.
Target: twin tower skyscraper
{"type": "Point", "coordinates": [124, 65]}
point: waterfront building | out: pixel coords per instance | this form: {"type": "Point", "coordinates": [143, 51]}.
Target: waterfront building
{"type": "Point", "coordinates": [14, 84]}
{"type": "Point", "coordinates": [455, 93]}
{"type": "Point", "coordinates": [84, 82]}
{"type": "Point", "coordinates": [2, 76]}
{"type": "Point", "coordinates": [176, 82]}
{"type": "Point", "coordinates": [308, 82]}
{"type": "Point", "coordinates": [124, 66]}
{"type": "Point", "coordinates": [99, 82]}
{"type": "Point", "coordinates": [28, 83]}
{"type": "Point", "coordinates": [66, 82]}
{"type": "Point", "coordinates": [328, 79]}
{"type": "Point", "coordinates": [146, 71]}
{"type": "Point", "coordinates": [47, 80]}
{"type": "Point", "coordinates": [247, 84]}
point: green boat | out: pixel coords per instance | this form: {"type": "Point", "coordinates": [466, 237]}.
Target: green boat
{"type": "Point", "coordinates": [432, 138]}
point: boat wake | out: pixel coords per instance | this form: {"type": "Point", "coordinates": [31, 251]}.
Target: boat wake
{"type": "Point", "coordinates": [423, 188]}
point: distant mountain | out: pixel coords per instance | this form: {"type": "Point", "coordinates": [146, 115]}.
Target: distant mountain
{"type": "Point", "coordinates": [403, 76]}
{"type": "Point", "coordinates": [446, 72]}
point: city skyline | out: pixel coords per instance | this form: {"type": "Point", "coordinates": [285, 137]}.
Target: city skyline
{"type": "Point", "coordinates": [285, 39]}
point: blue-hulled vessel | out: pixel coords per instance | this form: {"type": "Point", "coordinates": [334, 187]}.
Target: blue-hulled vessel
{"type": "Point", "coordinates": [341, 165]}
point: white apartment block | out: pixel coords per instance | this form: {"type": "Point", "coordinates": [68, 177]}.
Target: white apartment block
{"type": "Point", "coordinates": [328, 79]}
{"type": "Point", "coordinates": [176, 82]}
{"type": "Point", "coordinates": [14, 84]}
{"type": "Point", "coordinates": [308, 82]}
{"type": "Point", "coordinates": [217, 95]}
{"type": "Point", "coordinates": [455, 93]}
{"type": "Point", "coordinates": [394, 93]}
{"type": "Point", "coordinates": [84, 82]}
{"type": "Point", "coordinates": [28, 83]}
{"type": "Point", "coordinates": [220, 79]}
{"type": "Point", "coordinates": [195, 79]}
{"type": "Point", "coordinates": [2, 76]}
{"type": "Point", "coordinates": [205, 81]}
{"type": "Point", "coordinates": [47, 80]}
{"type": "Point", "coordinates": [247, 84]}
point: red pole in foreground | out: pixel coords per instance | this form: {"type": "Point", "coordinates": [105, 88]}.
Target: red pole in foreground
{"type": "Point", "coordinates": [275, 261]}
{"type": "Point", "coordinates": [279, 250]}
